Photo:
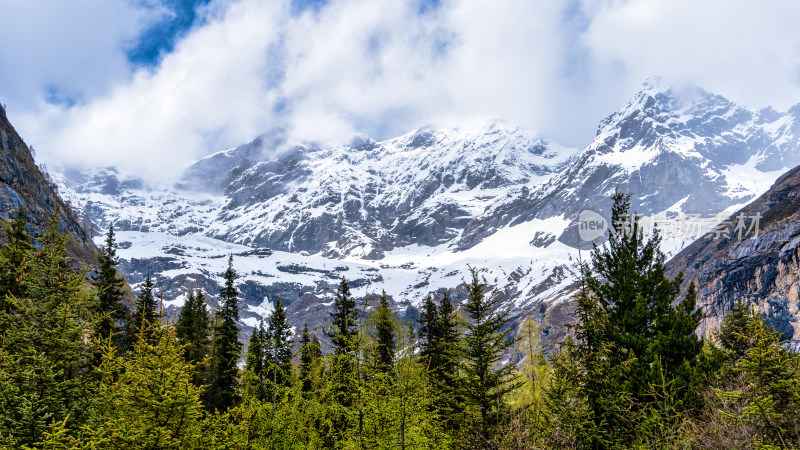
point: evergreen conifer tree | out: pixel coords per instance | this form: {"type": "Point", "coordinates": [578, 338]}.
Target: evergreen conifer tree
{"type": "Point", "coordinates": [484, 343]}
{"type": "Point", "coordinates": [628, 307]}
{"type": "Point", "coordinates": [145, 399]}
{"type": "Point", "coordinates": [193, 330]}
{"type": "Point", "coordinates": [344, 320]}
{"type": "Point", "coordinates": [278, 351]}
{"type": "Point", "coordinates": [109, 291]}
{"type": "Point", "coordinates": [45, 359]}
{"type": "Point", "coordinates": [385, 344]}
{"type": "Point", "coordinates": [222, 393]}
{"type": "Point", "coordinates": [256, 378]}
{"type": "Point", "coordinates": [17, 249]}
{"type": "Point", "coordinates": [732, 334]}
{"type": "Point", "coordinates": [310, 362]}
{"type": "Point", "coordinates": [146, 313]}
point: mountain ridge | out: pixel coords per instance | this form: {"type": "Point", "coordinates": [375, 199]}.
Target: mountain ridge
{"type": "Point", "coordinates": [407, 214]}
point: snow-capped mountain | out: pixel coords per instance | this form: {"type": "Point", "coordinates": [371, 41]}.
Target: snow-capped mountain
{"type": "Point", "coordinates": [410, 214]}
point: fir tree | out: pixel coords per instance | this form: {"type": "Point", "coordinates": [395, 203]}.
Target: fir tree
{"type": "Point", "coordinates": [385, 344]}
{"type": "Point", "coordinates": [428, 330]}
{"type": "Point", "coordinates": [485, 342]}
{"type": "Point", "coordinates": [439, 351]}
{"type": "Point", "coordinates": [45, 361]}
{"type": "Point", "coordinates": [109, 291]}
{"type": "Point", "coordinates": [278, 348]}
{"type": "Point", "coordinates": [222, 393]}
{"type": "Point", "coordinates": [769, 402]}
{"type": "Point", "coordinates": [193, 331]}
{"type": "Point", "coordinates": [310, 362]}
{"type": "Point", "coordinates": [628, 306]}
{"type": "Point", "coordinates": [344, 320]}
{"type": "Point", "coordinates": [146, 313]}
{"type": "Point", "coordinates": [145, 399]}
{"type": "Point", "coordinates": [256, 378]}
{"type": "Point", "coordinates": [732, 334]}
{"type": "Point", "coordinates": [17, 249]}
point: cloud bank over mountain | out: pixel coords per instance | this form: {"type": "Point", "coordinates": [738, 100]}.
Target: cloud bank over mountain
{"type": "Point", "coordinates": [325, 70]}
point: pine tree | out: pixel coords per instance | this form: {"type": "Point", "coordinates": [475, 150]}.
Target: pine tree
{"type": "Point", "coordinates": [485, 342]}
{"type": "Point", "coordinates": [17, 249]}
{"type": "Point", "coordinates": [439, 352]}
{"type": "Point", "coordinates": [109, 292]}
{"type": "Point", "coordinates": [769, 402]}
{"type": "Point", "coordinates": [146, 305]}
{"type": "Point", "coordinates": [310, 362]}
{"type": "Point", "coordinates": [385, 344]}
{"type": "Point", "coordinates": [222, 393]}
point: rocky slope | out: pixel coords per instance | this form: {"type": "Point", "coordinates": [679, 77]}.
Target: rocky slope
{"type": "Point", "coordinates": [754, 258]}
{"type": "Point", "coordinates": [409, 214]}
{"type": "Point", "coordinates": [22, 183]}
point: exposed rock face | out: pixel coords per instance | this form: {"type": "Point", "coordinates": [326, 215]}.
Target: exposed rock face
{"type": "Point", "coordinates": [22, 183]}
{"type": "Point", "coordinates": [762, 270]}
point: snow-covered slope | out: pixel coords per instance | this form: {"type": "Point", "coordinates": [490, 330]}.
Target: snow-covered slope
{"type": "Point", "coordinates": [410, 214]}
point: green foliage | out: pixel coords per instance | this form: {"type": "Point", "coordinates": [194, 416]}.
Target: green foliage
{"type": "Point", "coordinates": [255, 381]}
{"type": "Point", "coordinates": [343, 334]}
{"type": "Point", "coordinates": [732, 335]}
{"type": "Point", "coordinates": [278, 348]}
{"type": "Point", "coordinates": [193, 331]}
{"type": "Point", "coordinates": [383, 351]}
{"type": "Point", "coordinates": [17, 249]}
{"type": "Point", "coordinates": [146, 399]}
{"type": "Point", "coordinates": [770, 403]}
{"type": "Point", "coordinates": [45, 359]}
{"type": "Point", "coordinates": [485, 341]}
{"type": "Point", "coordinates": [310, 363]}
{"type": "Point", "coordinates": [534, 374]}
{"type": "Point", "coordinates": [112, 314]}
{"type": "Point", "coordinates": [145, 314]}
{"type": "Point", "coordinates": [223, 393]}
{"type": "Point", "coordinates": [440, 353]}
{"type": "Point", "coordinates": [344, 320]}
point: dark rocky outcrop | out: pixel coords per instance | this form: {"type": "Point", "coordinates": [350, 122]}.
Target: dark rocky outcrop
{"type": "Point", "coordinates": [762, 271]}
{"type": "Point", "coordinates": [23, 183]}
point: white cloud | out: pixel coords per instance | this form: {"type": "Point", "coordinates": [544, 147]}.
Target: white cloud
{"type": "Point", "coordinates": [747, 51]}
{"type": "Point", "coordinates": [76, 47]}
{"type": "Point", "coordinates": [382, 68]}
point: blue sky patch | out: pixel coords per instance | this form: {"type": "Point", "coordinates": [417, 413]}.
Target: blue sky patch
{"type": "Point", "coordinates": [162, 36]}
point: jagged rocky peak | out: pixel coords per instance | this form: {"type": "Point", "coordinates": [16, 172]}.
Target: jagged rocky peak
{"type": "Point", "coordinates": [679, 150]}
